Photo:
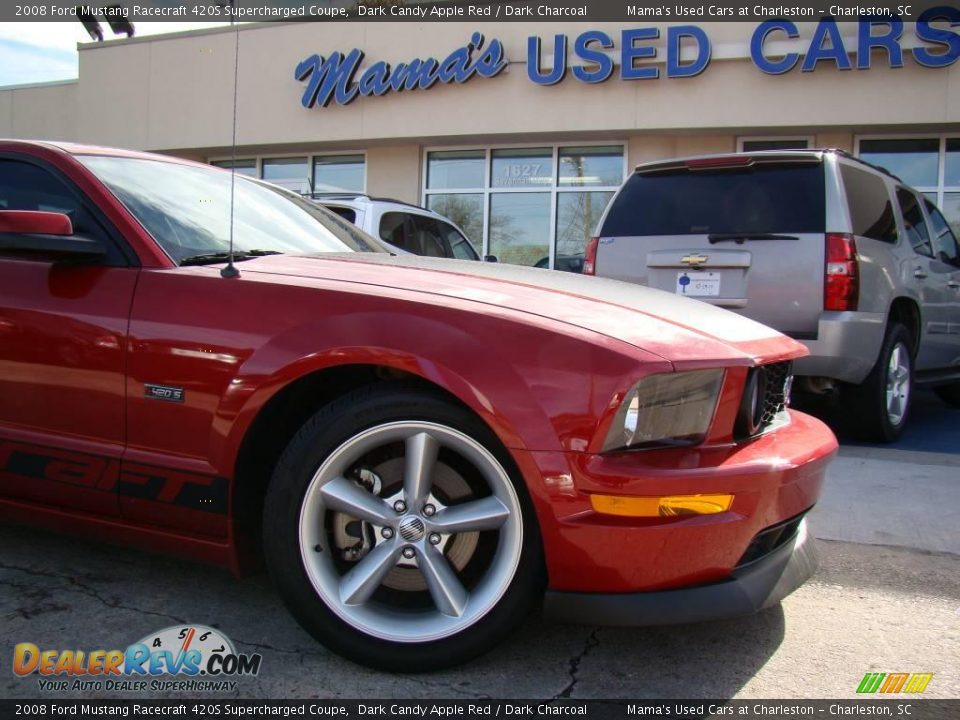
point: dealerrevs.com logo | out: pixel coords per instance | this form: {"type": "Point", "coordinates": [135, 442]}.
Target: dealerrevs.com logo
{"type": "Point", "coordinates": [192, 658]}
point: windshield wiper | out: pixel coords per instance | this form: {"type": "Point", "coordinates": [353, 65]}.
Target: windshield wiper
{"type": "Point", "coordinates": [221, 257]}
{"type": "Point", "coordinates": [739, 238]}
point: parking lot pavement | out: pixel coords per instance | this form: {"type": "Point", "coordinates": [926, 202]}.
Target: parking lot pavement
{"type": "Point", "coordinates": [903, 494]}
{"type": "Point", "coordinates": [885, 599]}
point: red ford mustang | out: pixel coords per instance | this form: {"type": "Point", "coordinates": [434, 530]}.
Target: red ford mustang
{"type": "Point", "coordinates": [420, 449]}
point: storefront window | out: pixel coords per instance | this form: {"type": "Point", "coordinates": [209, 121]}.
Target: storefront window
{"type": "Point", "coordinates": [522, 168]}
{"type": "Point", "coordinates": [338, 173]}
{"type": "Point", "coordinates": [291, 173]}
{"type": "Point", "coordinates": [581, 166]}
{"type": "Point", "coordinates": [243, 167]}
{"type": "Point", "coordinates": [951, 170]}
{"type": "Point", "coordinates": [526, 205]}
{"type": "Point", "coordinates": [921, 162]}
{"type": "Point", "coordinates": [950, 207]}
{"type": "Point", "coordinates": [520, 228]}
{"type": "Point", "coordinates": [913, 160]}
{"type": "Point", "coordinates": [465, 210]}
{"type": "Point", "coordinates": [578, 214]}
{"type": "Point", "coordinates": [455, 169]}
{"type": "Point", "coordinates": [774, 144]}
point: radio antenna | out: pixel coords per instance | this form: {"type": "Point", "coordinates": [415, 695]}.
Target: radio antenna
{"type": "Point", "coordinates": [230, 271]}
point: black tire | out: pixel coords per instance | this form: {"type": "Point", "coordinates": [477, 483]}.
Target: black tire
{"type": "Point", "coordinates": [864, 411]}
{"type": "Point", "coordinates": [950, 394]}
{"type": "Point", "coordinates": [325, 435]}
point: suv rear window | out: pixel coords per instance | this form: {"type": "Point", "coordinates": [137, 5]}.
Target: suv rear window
{"type": "Point", "coordinates": [786, 198]}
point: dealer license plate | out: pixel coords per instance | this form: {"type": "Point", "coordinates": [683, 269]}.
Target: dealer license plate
{"type": "Point", "coordinates": [698, 284]}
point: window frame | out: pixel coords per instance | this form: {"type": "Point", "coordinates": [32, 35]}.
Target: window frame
{"type": "Point", "coordinates": [256, 163]}
{"type": "Point", "coordinates": [808, 139]}
{"type": "Point", "coordinates": [939, 189]}
{"type": "Point", "coordinates": [487, 190]}
{"type": "Point", "coordinates": [311, 157]}
{"type": "Point", "coordinates": [119, 251]}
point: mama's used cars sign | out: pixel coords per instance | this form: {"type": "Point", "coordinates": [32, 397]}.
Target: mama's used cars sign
{"type": "Point", "coordinates": [337, 77]}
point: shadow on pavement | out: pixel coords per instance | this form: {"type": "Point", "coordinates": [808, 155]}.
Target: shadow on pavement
{"type": "Point", "coordinates": [933, 426]}
{"type": "Point", "coordinates": [59, 592]}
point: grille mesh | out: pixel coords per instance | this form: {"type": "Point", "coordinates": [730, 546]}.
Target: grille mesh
{"type": "Point", "coordinates": [765, 395]}
{"type": "Point", "coordinates": [776, 392]}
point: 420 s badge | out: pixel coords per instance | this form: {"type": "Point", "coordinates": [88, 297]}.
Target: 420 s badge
{"type": "Point", "coordinates": [189, 658]}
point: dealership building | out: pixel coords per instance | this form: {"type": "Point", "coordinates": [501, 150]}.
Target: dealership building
{"type": "Point", "coordinates": [520, 132]}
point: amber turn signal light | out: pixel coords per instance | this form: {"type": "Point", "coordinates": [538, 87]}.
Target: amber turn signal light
{"type": "Point", "coordinates": [668, 506]}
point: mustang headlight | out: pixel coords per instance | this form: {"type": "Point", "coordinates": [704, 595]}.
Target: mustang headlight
{"type": "Point", "coordinates": [666, 410]}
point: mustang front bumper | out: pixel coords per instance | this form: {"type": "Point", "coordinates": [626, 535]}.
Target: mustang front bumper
{"type": "Point", "coordinates": [751, 587]}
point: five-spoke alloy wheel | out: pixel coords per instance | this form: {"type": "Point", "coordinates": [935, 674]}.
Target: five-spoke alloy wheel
{"type": "Point", "coordinates": [397, 533]}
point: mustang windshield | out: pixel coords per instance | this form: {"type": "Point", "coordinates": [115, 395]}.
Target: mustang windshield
{"type": "Point", "coordinates": [186, 209]}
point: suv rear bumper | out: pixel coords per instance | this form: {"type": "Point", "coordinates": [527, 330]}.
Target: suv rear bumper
{"type": "Point", "coordinates": [751, 587]}
{"type": "Point", "coordinates": [846, 347]}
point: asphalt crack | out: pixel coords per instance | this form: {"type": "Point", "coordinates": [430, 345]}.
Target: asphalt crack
{"type": "Point", "coordinates": [76, 585]}
{"type": "Point", "coordinates": [592, 642]}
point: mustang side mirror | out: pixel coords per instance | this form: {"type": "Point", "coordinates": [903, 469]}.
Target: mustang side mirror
{"type": "Point", "coordinates": [490, 258]}
{"type": "Point", "coordinates": [45, 234]}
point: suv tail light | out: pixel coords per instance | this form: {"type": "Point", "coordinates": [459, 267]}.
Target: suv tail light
{"type": "Point", "coordinates": [590, 257]}
{"type": "Point", "coordinates": [841, 282]}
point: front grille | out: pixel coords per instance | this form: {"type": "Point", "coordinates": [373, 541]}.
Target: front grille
{"type": "Point", "coordinates": [765, 395]}
{"type": "Point", "coordinates": [777, 391]}
{"type": "Point", "coordinates": [768, 540]}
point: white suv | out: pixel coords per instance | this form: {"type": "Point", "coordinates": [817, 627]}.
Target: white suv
{"type": "Point", "coordinates": [407, 227]}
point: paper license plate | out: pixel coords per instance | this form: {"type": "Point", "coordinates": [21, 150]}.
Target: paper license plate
{"type": "Point", "coordinates": [698, 284]}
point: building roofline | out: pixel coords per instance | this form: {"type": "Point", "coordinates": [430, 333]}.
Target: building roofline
{"type": "Point", "coordinates": [218, 30]}
{"type": "Point", "coordinates": [48, 83]}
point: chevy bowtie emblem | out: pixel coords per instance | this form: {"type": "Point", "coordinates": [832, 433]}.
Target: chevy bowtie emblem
{"type": "Point", "coordinates": [694, 260]}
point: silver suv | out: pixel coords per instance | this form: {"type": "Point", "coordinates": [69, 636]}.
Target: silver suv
{"type": "Point", "coordinates": [824, 247]}
{"type": "Point", "coordinates": [413, 229]}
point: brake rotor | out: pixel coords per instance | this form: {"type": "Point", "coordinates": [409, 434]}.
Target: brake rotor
{"type": "Point", "coordinates": [355, 538]}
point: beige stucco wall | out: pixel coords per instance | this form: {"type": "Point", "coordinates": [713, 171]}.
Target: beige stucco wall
{"type": "Point", "coordinates": [840, 141]}
{"type": "Point", "coordinates": [646, 148]}
{"type": "Point", "coordinates": [40, 112]}
{"type": "Point", "coordinates": [394, 172]}
{"type": "Point", "coordinates": [176, 93]}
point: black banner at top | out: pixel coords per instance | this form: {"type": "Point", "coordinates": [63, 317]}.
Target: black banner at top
{"type": "Point", "coordinates": [905, 708]}
{"type": "Point", "coordinates": [219, 11]}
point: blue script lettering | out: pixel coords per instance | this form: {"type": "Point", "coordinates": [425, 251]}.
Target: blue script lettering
{"type": "Point", "coordinates": [335, 78]}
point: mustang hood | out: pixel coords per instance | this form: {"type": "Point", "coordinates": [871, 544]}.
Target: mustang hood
{"type": "Point", "coordinates": [683, 331]}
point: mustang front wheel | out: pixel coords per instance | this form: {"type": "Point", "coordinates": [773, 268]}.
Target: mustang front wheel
{"type": "Point", "coordinates": [397, 533]}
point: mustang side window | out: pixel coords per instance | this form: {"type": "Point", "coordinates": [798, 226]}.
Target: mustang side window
{"type": "Point", "coordinates": [24, 186]}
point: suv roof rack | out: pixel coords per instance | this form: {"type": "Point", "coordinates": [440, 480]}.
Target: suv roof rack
{"type": "Point", "coordinates": [660, 165]}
